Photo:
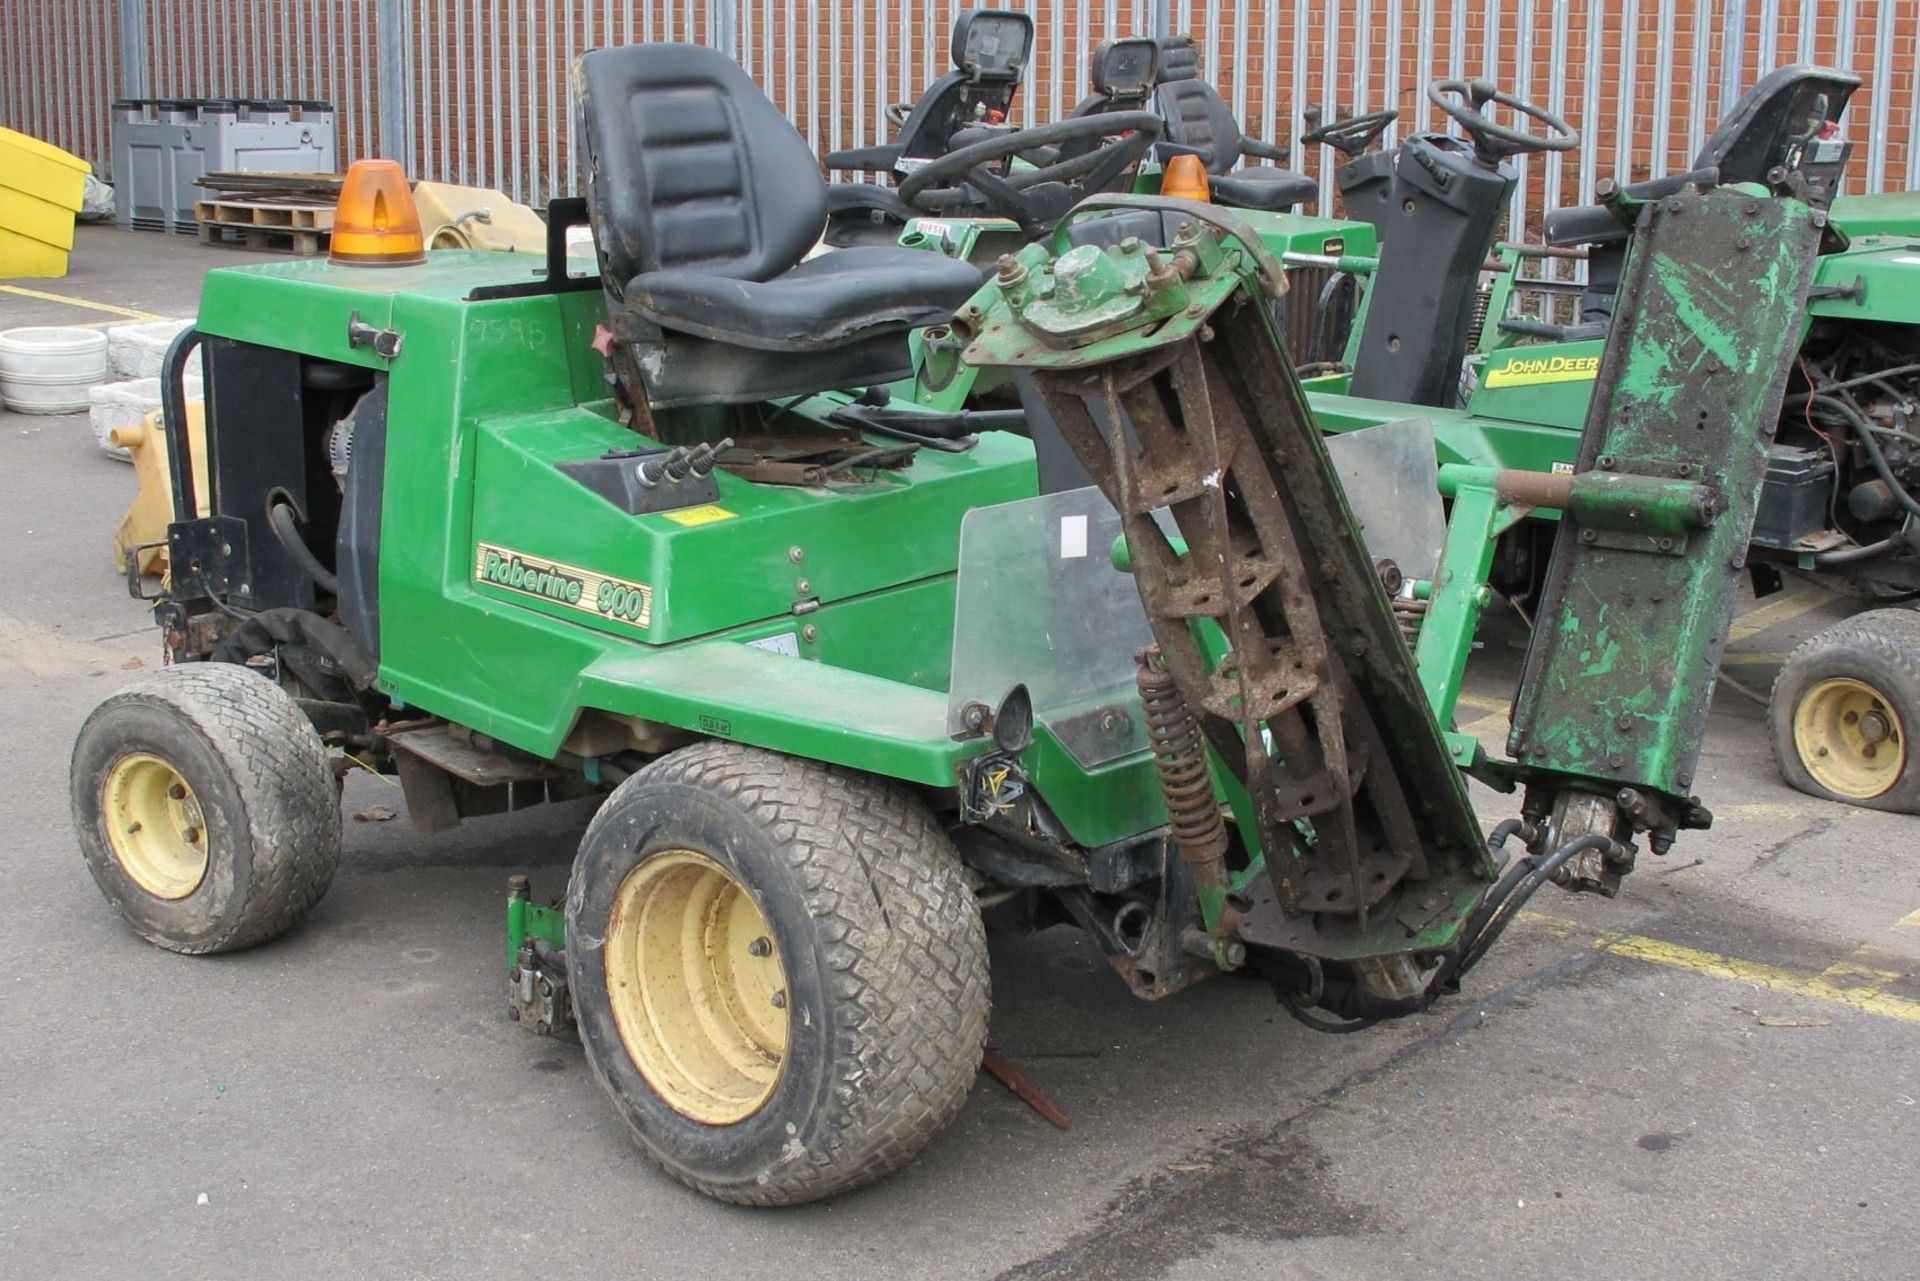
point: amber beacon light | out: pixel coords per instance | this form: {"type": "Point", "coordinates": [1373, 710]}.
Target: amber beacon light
{"type": "Point", "coordinates": [376, 223]}
{"type": "Point", "coordinates": [1186, 177]}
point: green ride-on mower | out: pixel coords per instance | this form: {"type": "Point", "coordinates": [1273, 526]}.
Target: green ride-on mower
{"type": "Point", "coordinates": [1123, 654]}
{"type": "Point", "coordinates": [1843, 468]}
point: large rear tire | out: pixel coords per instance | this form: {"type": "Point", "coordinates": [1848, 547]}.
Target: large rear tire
{"type": "Point", "coordinates": [206, 808]}
{"type": "Point", "coordinates": [778, 971]}
{"type": "Point", "coordinates": [1844, 711]}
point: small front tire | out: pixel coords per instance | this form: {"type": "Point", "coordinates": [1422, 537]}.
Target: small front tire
{"type": "Point", "coordinates": [778, 971]}
{"type": "Point", "coordinates": [206, 808]}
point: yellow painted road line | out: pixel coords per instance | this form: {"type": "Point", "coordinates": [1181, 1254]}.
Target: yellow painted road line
{"type": "Point", "coordinates": [1496, 723]}
{"type": "Point", "coordinates": [1481, 702]}
{"type": "Point", "coordinates": [1773, 613]}
{"type": "Point", "coordinates": [1843, 984]}
{"type": "Point", "coordinates": [127, 312]}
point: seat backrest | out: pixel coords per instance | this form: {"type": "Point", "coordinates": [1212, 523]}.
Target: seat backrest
{"type": "Point", "coordinates": [687, 165]}
{"type": "Point", "coordinates": [1783, 105]}
{"type": "Point", "coordinates": [990, 49]}
{"type": "Point", "coordinates": [1179, 59]}
{"type": "Point", "coordinates": [1198, 117]}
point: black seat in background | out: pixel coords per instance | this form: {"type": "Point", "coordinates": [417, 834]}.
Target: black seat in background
{"type": "Point", "coordinates": [990, 50]}
{"type": "Point", "coordinates": [1782, 110]}
{"type": "Point", "coordinates": [1199, 123]}
{"type": "Point", "coordinates": [704, 202]}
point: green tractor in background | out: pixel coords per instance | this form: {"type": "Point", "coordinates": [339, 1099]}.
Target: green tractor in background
{"type": "Point", "coordinates": [1838, 500]}
{"type": "Point", "coordinates": [884, 600]}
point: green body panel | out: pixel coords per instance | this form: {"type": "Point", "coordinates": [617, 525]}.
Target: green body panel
{"type": "Point", "coordinates": [1886, 271]}
{"type": "Point", "coordinates": [485, 397]}
{"type": "Point", "coordinates": [1547, 384]}
{"type": "Point", "coordinates": [1887, 213]}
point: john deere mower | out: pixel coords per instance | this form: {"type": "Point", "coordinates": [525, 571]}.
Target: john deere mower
{"type": "Point", "coordinates": [857, 676]}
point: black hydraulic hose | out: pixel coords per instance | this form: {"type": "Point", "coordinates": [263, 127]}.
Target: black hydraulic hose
{"type": "Point", "coordinates": [1863, 431]}
{"type": "Point", "coordinates": [1863, 379]}
{"type": "Point", "coordinates": [1854, 555]}
{"type": "Point", "coordinates": [1509, 907]}
{"type": "Point", "coordinates": [1497, 839]}
{"type": "Point", "coordinates": [285, 528]}
{"type": "Point", "coordinates": [269, 628]}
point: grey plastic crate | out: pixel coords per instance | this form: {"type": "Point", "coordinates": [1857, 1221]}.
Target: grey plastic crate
{"type": "Point", "coordinates": [161, 145]}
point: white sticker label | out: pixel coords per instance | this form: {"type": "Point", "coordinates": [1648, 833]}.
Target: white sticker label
{"type": "Point", "coordinates": [1563, 469]}
{"type": "Point", "coordinates": [787, 643]}
{"type": "Point", "coordinates": [1073, 537]}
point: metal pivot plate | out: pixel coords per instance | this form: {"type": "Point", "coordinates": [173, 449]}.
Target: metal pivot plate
{"type": "Point", "coordinates": [1315, 706]}
{"type": "Point", "coordinates": [697, 986]}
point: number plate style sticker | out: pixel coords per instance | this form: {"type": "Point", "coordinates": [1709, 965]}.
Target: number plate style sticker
{"type": "Point", "coordinates": [586, 590]}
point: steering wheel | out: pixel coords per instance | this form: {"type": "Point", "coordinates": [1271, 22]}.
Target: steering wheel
{"type": "Point", "coordinates": [1466, 103]}
{"type": "Point", "coordinates": [1035, 198]}
{"type": "Point", "coordinates": [1349, 135]}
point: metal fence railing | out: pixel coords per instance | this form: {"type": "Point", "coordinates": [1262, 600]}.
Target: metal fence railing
{"type": "Point", "coordinates": [476, 90]}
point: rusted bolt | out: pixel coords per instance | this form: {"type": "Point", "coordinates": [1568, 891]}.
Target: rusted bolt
{"type": "Point", "coordinates": [1624, 721]}
{"type": "Point", "coordinates": [1196, 311]}
{"type": "Point", "coordinates": [1012, 272]}
{"type": "Point", "coordinates": [974, 715]}
{"type": "Point", "coordinates": [779, 1000]}
{"type": "Point", "coordinates": [1605, 462]}
{"type": "Point", "coordinates": [191, 835]}
{"type": "Point", "coordinates": [760, 947]}
{"type": "Point", "coordinates": [179, 793]}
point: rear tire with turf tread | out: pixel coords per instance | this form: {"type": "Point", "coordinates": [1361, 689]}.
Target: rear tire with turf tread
{"type": "Point", "coordinates": [1879, 649]}
{"type": "Point", "coordinates": [260, 778]}
{"type": "Point", "coordinates": [884, 957]}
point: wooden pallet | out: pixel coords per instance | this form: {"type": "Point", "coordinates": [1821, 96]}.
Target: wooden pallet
{"type": "Point", "coordinates": [301, 241]}
{"type": "Point", "coordinates": [299, 215]}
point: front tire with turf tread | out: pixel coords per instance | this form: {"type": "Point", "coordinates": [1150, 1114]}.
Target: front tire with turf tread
{"type": "Point", "coordinates": [1880, 648]}
{"type": "Point", "coordinates": [884, 955]}
{"type": "Point", "coordinates": [261, 778]}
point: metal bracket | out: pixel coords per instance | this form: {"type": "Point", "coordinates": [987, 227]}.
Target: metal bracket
{"type": "Point", "coordinates": [386, 343]}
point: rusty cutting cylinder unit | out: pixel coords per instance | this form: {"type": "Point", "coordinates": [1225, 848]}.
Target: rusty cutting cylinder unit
{"type": "Point", "coordinates": [1180, 756]}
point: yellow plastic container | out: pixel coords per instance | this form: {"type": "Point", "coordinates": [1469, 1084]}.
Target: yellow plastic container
{"type": "Point", "coordinates": [41, 188]}
{"type": "Point", "coordinates": [452, 216]}
{"type": "Point", "coordinates": [152, 509]}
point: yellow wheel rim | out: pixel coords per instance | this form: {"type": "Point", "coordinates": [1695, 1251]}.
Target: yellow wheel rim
{"type": "Point", "coordinates": [155, 826]}
{"type": "Point", "coordinates": [1850, 738]}
{"type": "Point", "coordinates": [697, 988]}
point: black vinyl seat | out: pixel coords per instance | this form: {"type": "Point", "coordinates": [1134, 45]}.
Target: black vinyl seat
{"type": "Point", "coordinates": [1199, 123]}
{"type": "Point", "coordinates": [705, 202]}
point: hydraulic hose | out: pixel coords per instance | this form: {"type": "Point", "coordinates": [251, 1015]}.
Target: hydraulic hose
{"type": "Point", "coordinates": [1863, 431]}
{"type": "Point", "coordinates": [286, 528]}
{"type": "Point", "coordinates": [1508, 907]}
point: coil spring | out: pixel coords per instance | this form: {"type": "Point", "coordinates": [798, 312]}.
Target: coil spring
{"type": "Point", "coordinates": [1410, 612]}
{"type": "Point", "coordinates": [1180, 756]}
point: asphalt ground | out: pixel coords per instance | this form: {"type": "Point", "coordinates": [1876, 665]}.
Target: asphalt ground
{"type": "Point", "coordinates": [1713, 1075]}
